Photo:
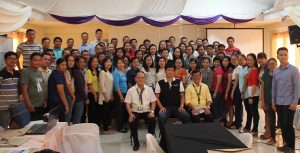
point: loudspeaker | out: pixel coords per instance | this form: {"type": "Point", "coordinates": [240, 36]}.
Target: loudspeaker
{"type": "Point", "coordinates": [294, 32]}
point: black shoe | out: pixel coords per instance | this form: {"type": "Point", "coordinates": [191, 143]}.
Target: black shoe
{"type": "Point", "coordinates": [136, 146]}
{"type": "Point", "coordinates": [122, 131]}
{"type": "Point", "coordinates": [285, 149]}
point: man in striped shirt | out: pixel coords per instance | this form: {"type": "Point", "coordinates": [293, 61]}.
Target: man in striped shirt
{"type": "Point", "coordinates": [27, 48]}
{"type": "Point", "coordinates": [9, 92]}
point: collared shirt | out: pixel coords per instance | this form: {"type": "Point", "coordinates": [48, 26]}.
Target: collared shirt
{"type": "Point", "coordinates": [57, 53]}
{"type": "Point", "coordinates": [192, 97]}
{"type": "Point", "coordinates": [285, 85]}
{"type": "Point", "coordinates": [242, 75]}
{"type": "Point", "coordinates": [45, 73]}
{"type": "Point", "coordinates": [92, 79]}
{"type": "Point", "coordinates": [150, 77]}
{"type": "Point", "coordinates": [9, 92]}
{"type": "Point", "coordinates": [229, 51]}
{"type": "Point", "coordinates": [87, 47]}
{"type": "Point", "coordinates": [27, 49]}
{"type": "Point", "coordinates": [158, 90]}
{"type": "Point", "coordinates": [94, 43]}
{"type": "Point", "coordinates": [132, 97]}
{"type": "Point", "coordinates": [207, 77]}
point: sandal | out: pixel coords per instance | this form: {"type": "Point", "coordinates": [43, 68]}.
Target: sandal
{"type": "Point", "coordinates": [271, 142]}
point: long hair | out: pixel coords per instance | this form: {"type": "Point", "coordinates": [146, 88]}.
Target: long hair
{"type": "Point", "coordinates": [180, 56]}
{"type": "Point", "coordinates": [145, 65]}
{"type": "Point", "coordinates": [77, 59]}
{"type": "Point", "coordinates": [225, 69]}
{"type": "Point", "coordinates": [90, 66]}
{"type": "Point", "coordinates": [103, 65]}
{"type": "Point", "coordinates": [254, 58]}
{"type": "Point", "coordinates": [193, 60]}
{"type": "Point", "coordinates": [158, 66]}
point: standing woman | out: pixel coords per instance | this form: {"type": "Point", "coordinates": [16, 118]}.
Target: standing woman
{"type": "Point", "coordinates": [165, 55]}
{"type": "Point", "coordinates": [153, 54]}
{"type": "Point", "coordinates": [119, 54]}
{"type": "Point", "coordinates": [127, 50]}
{"type": "Point", "coordinates": [160, 69]}
{"type": "Point", "coordinates": [192, 66]}
{"type": "Point", "coordinates": [130, 74]}
{"type": "Point", "coordinates": [266, 88]}
{"type": "Point", "coordinates": [177, 54]}
{"type": "Point", "coordinates": [120, 88]}
{"type": "Point", "coordinates": [149, 70]}
{"type": "Point", "coordinates": [180, 72]}
{"type": "Point", "coordinates": [127, 62]}
{"type": "Point", "coordinates": [70, 84]}
{"type": "Point", "coordinates": [142, 48]}
{"type": "Point", "coordinates": [227, 86]}
{"type": "Point", "coordinates": [252, 83]}
{"type": "Point", "coordinates": [106, 93]}
{"type": "Point", "coordinates": [92, 81]}
{"type": "Point", "coordinates": [235, 92]}
{"type": "Point", "coordinates": [162, 45]}
{"type": "Point", "coordinates": [206, 72]}
{"type": "Point", "coordinates": [80, 89]}
{"type": "Point", "coordinates": [217, 89]}
{"type": "Point", "coordinates": [57, 89]}
{"type": "Point", "coordinates": [110, 51]}
{"type": "Point", "coordinates": [139, 55]}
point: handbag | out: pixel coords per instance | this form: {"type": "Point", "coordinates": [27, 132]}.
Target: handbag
{"type": "Point", "coordinates": [19, 114]}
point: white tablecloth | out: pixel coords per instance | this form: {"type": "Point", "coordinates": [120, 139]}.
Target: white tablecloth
{"type": "Point", "coordinates": [297, 118]}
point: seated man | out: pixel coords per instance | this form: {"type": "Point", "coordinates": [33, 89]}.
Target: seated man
{"type": "Point", "coordinates": [170, 100]}
{"type": "Point", "coordinates": [198, 99]}
{"type": "Point", "coordinates": [140, 104]}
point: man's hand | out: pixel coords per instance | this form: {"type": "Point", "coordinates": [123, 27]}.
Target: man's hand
{"type": "Point", "coordinates": [250, 101]}
{"type": "Point", "coordinates": [31, 108]}
{"type": "Point", "coordinates": [67, 109]}
{"type": "Point", "coordinates": [194, 111]}
{"type": "Point", "coordinates": [151, 115]}
{"type": "Point", "coordinates": [122, 99]}
{"type": "Point", "coordinates": [131, 118]}
{"type": "Point", "coordinates": [181, 109]}
{"type": "Point", "coordinates": [162, 110]}
{"type": "Point", "coordinates": [207, 110]}
{"type": "Point", "coordinates": [293, 106]}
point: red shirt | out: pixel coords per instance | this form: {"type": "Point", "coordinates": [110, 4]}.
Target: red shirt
{"type": "Point", "coordinates": [216, 72]}
{"type": "Point", "coordinates": [252, 77]}
{"type": "Point", "coordinates": [229, 51]}
{"type": "Point", "coordinates": [180, 73]}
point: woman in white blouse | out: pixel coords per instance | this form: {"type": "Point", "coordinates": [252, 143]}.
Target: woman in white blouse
{"type": "Point", "coordinates": [149, 70]}
{"type": "Point", "coordinates": [106, 93]}
{"type": "Point", "coordinates": [160, 69]}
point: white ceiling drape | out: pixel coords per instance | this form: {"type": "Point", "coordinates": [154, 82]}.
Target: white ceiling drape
{"type": "Point", "coordinates": [12, 16]}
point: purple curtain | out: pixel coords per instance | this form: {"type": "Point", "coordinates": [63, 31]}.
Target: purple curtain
{"type": "Point", "coordinates": [233, 20]}
{"type": "Point", "coordinates": [73, 20]}
{"type": "Point", "coordinates": [200, 21]}
{"type": "Point", "coordinates": [158, 23]}
{"type": "Point", "coordinates": [120, 22]}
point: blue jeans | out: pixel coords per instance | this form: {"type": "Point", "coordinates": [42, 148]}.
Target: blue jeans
{"type": "Point", "coordinates": [78, 111]}
{"type": "Point", "coordinates": [216, 106]}
{"type": "Point", "coordinates": [69, 115]}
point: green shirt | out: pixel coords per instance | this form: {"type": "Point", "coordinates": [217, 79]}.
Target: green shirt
{"type": "Point", "coordinates": [34, 80]}
{"type": "Point", "coordinates": [267, 79]}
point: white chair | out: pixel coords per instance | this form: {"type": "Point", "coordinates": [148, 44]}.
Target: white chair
{"type": "Point", "coordinates": [79, 143]}
{"type": "Point", "coordinates": [152, 145]}
{"type": "Point", "coordinates": [246, 138]}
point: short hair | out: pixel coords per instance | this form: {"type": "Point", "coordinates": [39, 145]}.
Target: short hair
{"type": "Point", "coordinates": [49, 50]}
{"type": "Point", "coordinates": [206, 58]}
{"type": "Point", "coordinates": [221, 45]}
{"type": "Point", "coordinates": [216, 42]}
{"type": "Point", "coordinates": [10, 53]}
{"type": "Point", "coordinates": [282, 48]}
{"type": "Point", "coordinates": [35, 54]}
{"type": "Point", "coordinates": [59, 61]}
{"type": "Point", "coordinates": [172, 37]}
{"type": "Point", "coordinates": [140, 72]}
{"type": "Point", "coordinates": [204, 39]}
{"type": "Point", "coordinates": [29, 30]}
{"type": "Point", "coordinates": [84, 52]}
{"type": "Point", "coordinates": [133, 39]}
{"type": "Point", "coordinates": [45, 38]}
{"type": "Point", "coordinates": [134, 58]}
{"type": "Point", "coordinates": [230, 38]}
{"type": "Point", "coordinates": [262, 55]}
{"type": "Point", "coordinates": [183, 38]}
{"type": "Point", "coordinates": [146, 40]}
{"type": "Point", "coordinates": [210, 45]}
{"type": "Point", "coordinates": [190, 47]}
{"type": "Point", "coordinates": [217, 58]}
{"type": "Point", "coordinates": [272, 59]}
{"type": "Point", "coordinates": [113, 39]}
{"type": "Point", "coordinates": [169, 65]}
{"type": "Point", "coordinates": [98, 30]}
{"type": "Point", "coordinates": [45, 54]}
{"type": "Point", "coordinates": [59, 38]}
{"type": "Point", "coordinates": [84, 33]}
{"type": "Point", "coordinates": [198, 47]}
{"type": "Point", "coordinates": [70, 39]}
{"type": "Point", "coordinates": [195, 71]}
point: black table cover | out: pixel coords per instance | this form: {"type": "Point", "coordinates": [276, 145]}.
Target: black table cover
{"type": "Point", "coordinates": [198, 138]}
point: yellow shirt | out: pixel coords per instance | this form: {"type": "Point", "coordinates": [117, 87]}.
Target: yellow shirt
{"type": "Point", "coordinates": [92, 80]}
{"type": "Point", "coordinates": [192, 98]}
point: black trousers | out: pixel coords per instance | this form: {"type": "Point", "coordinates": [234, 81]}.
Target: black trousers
{"type": "Point", "coordinates": [252, 113]}
{"type": "Point", "coordinates": [238, 106]}
{"type": "Point", "coordinates": [121, 112]}
{"type": "Point", "coordinates": [94, 110]}
{"type": "Point", "coordinates": [286, 117]}
{"type": "Point", "coordinates": [197, 118]}
{"type": "Point", "coordinates": [107, 112]}
{"type": "Point", "coordinates": [38, 114]}
{"type": "Point", "coordinates": [134, 125]}
{"type": "Point", "coordinates": [272, 120]}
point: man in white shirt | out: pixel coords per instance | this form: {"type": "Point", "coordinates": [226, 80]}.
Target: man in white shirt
{"type": "Point", "coordinates": [140, 104]}
{"type": "Point", "coordinates": [85, 45]}
{"type": "Point", "coordinates": [98, 36]}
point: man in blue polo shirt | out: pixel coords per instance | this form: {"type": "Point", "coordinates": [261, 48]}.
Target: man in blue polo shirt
{"type": "Point", "coordinates": [170, 100]}
{"type": "Point", "coordinates": [285, 96]}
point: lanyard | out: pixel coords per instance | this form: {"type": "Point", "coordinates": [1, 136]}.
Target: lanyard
{"type": "Point", "coordinates": [198, 93]}
{"type": "Point", "coordinates": [140, 95]}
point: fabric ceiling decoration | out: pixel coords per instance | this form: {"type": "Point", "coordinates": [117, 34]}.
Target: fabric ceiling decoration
{"type": "Point", "coordinates": [233, 20]}
{"type": "Point", "coordinates": [73, 20]}
{"type": "Point", "coordinates": [120, 22]}
{"type": "Point", "coordinates": [201, 21]}
{"type": "Point", "coordinates": [13, 16]}
{"type": "Point", "coordinates": [160, 24]}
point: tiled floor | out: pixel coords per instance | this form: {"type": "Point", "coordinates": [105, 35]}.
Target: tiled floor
{"type": "Point", "coordinates": [120, 143]}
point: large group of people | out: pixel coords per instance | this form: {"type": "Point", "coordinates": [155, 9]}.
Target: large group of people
{"type": "Point", "coordinates": [194, 81]}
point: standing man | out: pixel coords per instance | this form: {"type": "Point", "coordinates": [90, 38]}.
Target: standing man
{"type": "Point", "coordinates": [70, 44]}
{"type": "Point", "coordinates": [27, 48]}
{"type": "Point", "coordinates": [32, 88]}
{"type": "Point", "coordinates": [285, 96]}
{"type": "Point", "coordinates": [231, 48]}
{"type": "Point", "coordinates": [114, 41]}
{"type": "Point", "coordinates": [9, 79]}
{"type": "Point", "coordinates": [57, 49]}
{"type": "Point", "coordinates": [45, 64]}
{"type": "Point", "coordinates": [140, 104]}
{"type": "Point", "coordinates": [170, 100]}
{"type": "Point", "coordinates": [98, 36]}
{"type": "Point", "coordinates": [198, 99]}
{"type": "Point", "coordinates": [45, 43]}
{"type": "Point", "coordinates": [85, 45]}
